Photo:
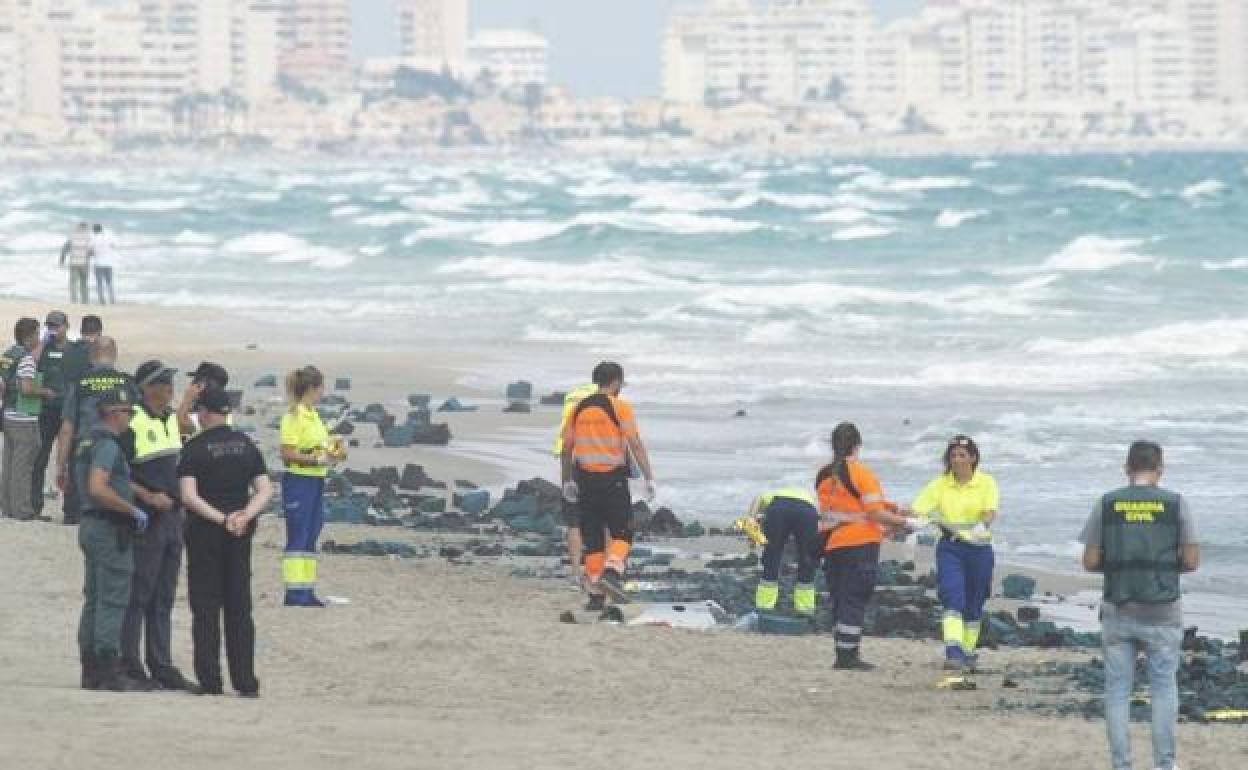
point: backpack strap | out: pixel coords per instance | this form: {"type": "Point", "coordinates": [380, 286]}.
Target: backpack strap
{"type": "Point", "coordinates": [603, 402]}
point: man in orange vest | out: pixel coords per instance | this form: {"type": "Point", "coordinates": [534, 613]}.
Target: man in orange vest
{"type": "Point", "coordinates": [597, 442]}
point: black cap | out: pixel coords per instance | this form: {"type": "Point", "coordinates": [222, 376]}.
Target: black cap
{"type": "Point", "coordinates": [56, 318]}
{"type": "Point", "coordinates": [214, 399]}
{"type": "Point", "coordinates": [153, 372]}
{"type": "Point", "coordinates": [213, 373]}
{"type": "Point", "coordinates": [113, 400]}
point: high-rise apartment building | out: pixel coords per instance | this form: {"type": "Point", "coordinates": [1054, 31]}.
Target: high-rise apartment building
{"type": "Point", "coordinates": [315, 38]}
{"type": "Point", "coordinates": [434, 33]}
{"type": "Point", "coordinates": [514, 57]}
{"type": "Point", "coordinates": [785, 52]}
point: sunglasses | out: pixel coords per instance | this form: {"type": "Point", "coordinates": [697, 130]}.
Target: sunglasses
{"type": "Point", "coordinates": [962, 442]}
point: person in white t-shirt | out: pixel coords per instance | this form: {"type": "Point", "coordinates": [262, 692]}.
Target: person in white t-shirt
{"type": "Point", "coordinates": [105, 249]}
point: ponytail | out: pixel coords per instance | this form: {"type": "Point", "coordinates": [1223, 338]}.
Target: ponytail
{"type": "Point", "coordinates": [845, 439]}
{"type": "Point", "coordinates": [300, 381]}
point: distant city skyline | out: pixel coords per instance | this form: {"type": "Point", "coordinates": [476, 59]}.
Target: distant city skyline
{"type": "Point", "coordinates": [596, 48]}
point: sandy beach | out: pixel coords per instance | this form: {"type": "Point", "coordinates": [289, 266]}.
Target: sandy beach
{"type": "Point", "coordinates": [434, 664]}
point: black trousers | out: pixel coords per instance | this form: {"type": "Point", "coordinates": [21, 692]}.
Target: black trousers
{"type": "Point", "coordinates": [606, 505]}
{"type": "Point", "coordinates": [787, 517]}
{"type": "Point", "coordinates": [852, 574]}
{"type": "Point", "coordinates": [49, 425]}
{"type": "Point", "coordinates": [219, 583]}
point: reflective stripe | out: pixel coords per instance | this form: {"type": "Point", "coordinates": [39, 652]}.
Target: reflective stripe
{"type": "Point", "coordinates": [852, 630]}
{"type": "Point", "coordinates": [611, 461]}
{"type": "Point", "coordinates": [952, 614]}
{"type": "Point", "coordinates": [868, 499]}
{"type": "Point", "coordinates": [846, 645]}
{"type": "Point", "coordinates": [590, 444]}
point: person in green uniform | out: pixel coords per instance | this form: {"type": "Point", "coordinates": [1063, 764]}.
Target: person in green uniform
{"type": "Point", "coordinates": [110, 521]}
{"type": "Point", "coordinates": [23, 401]}
{"type": "Point", "coordinates": [80, 414]}
{"type": "Point", "coordinates": [77, 363]}
{"type": "Point", "coordinates": [51, 367]}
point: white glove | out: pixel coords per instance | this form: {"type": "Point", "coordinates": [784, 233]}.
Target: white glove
{"type": "Point", "coordinates": [571, 492]}
{"type": "Point", "coordinates": [652, 491]}
{"type": "Point", "coordinates": [981, 532]}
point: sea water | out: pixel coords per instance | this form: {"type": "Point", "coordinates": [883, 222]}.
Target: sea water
{"type": "Point", "coordinates": [1055, 308]}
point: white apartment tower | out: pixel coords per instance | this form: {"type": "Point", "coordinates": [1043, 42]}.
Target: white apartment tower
{"type": "Point", "coordinates": [316, 42]}
{"type": "Point", "coordinates": [434, 33]}
{"type": "Point", "coordinates": [787, 51]}
{"type": "Point", "coordinates": [515, 57]}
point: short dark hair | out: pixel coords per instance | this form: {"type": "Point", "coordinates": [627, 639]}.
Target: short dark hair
{"type": "Point", "coordinates": [90, 324]}
{"type": "Point", "coordinates": [24, 328]}
{"type": "Point", "coordinates": [1144, 457]}
{"type": "Point", "coordinates": [98, 228]}
{"type": "Point", "coordinates": [607, 372]}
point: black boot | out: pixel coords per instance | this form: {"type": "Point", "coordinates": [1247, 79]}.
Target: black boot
{"type": "Point", "coordinates": [848, 660]}
{"type": "Point", "coordinates": [113, 679]}
{"type": "Point", "coordinates": [172, 679]}
{"type": "Point", "coordinates": [90, 673]}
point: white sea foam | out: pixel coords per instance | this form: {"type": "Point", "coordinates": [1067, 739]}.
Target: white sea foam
{"type": "Point", "coordinates": [151, 205]}
{"type": "Point", "coordinates": [264, 196]}
{"type": "Point", "coordinates": [854, 200]}
{"type": "Point", "coordinates": [388, 219]}
{"type": "Point", "coordinates": [1239, 263]}
{"type": "Point", "coordinates": [1207, 188]}
{"type": "Point", "coordinates": [345, 212]}
{"type": "Point", "coordinates": [17, 218]}
{"type": "Point", "coordinates": [1188, 339]}
{"type": "Point", "coordinates": [316, 256]}
{"type": "Point", "coordinates": [192, 238]}
{"type": "Point", "coordinates": [264, 243]}
{"type": "Point", "coordinates": [1096, 252]}
{"type": "Point", "coordinates": [877, 182]}
{"type": "Point", "coordinates": [600, 276]}
{"type": "Point", "coordinates": [337, 198]}
{"type": "Point", "coordinates": [846, 215]}
{"type": "Point", "coordinates": [980, 165]}
{"type": "Point", "coordinates": [372, 251]}
{"type": "Point", "coordinates": [40, 241]}
{"type": "Point", "coordinates": [514, 232]}
{"type": "Point", "coordinates": [951, 218]}
{"type": "Point", "coordinates": [449, 202]}
{"type": "Point", "coordinates": [862, 232]}
{"type": "Point", "coordinates": [1108, 184]}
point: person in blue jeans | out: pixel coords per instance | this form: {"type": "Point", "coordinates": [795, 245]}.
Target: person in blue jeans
{"type": "Point", "coordinates": [306, 451]}
{"type": "Point", "coordinates": [1142, 537]}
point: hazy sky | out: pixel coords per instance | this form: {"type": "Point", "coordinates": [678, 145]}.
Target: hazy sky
{"type": "Point", "coordinates": [596, 46]}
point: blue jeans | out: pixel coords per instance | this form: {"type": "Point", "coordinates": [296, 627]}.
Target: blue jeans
{"type": "Point", "coordinates": [1161, 644]}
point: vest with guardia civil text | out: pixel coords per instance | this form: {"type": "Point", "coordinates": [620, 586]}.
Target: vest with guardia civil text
{"type": "Point", "coordinates": [1140, 540]}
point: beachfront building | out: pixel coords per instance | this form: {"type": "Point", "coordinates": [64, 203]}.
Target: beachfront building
{"type": "Point", "coordinates": [513, 58]}
{"type": "Point", "coordinates": [787, 51]}
{"type": "Point", "coordinates": [434, 34]}
{"type": "Point", "coordinates": [315, 41]}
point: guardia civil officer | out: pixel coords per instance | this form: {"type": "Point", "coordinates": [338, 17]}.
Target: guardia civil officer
{"type": "Point", "coordinates": [110, 522]}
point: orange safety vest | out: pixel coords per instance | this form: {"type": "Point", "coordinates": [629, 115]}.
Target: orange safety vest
{"type": "Point", "coordinates": [835, 498]}
{"type": "Point", "coordinates": [598, 434]}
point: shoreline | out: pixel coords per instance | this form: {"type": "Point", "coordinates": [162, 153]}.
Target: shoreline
{"type": "Point", "coordinates": [850, 147]}
{"type": "Point", "coordinates": [492, 449]}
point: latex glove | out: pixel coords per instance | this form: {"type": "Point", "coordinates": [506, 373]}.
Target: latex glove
{"type": "Point", "coordinates": [652, 491]}
{"type": "Point", "coordinates": [571, 492]}
{"type": "Point", "coordinates": [981, 533]}
{"type": "Point", "coordinates": [141, 520]}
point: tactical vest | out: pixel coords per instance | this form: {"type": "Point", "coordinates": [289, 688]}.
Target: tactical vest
{"type": "Point", "coordinates": [52, 365]}
{"type": "Point", "coordinates": [8, 374]}
{"type": "Point", "coordinates": [1140, 541]}
{"type": "Point", "coordinates": [90, 388]}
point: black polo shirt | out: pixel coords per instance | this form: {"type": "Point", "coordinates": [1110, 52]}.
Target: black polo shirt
{"type": "Point", "coordinates": [223, 463]}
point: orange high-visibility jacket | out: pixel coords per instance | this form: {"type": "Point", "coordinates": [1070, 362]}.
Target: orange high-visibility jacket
{"type": "Point", "coordinates": [835, 498]}
{"type": "Point", "coordinates": [598, 445]}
